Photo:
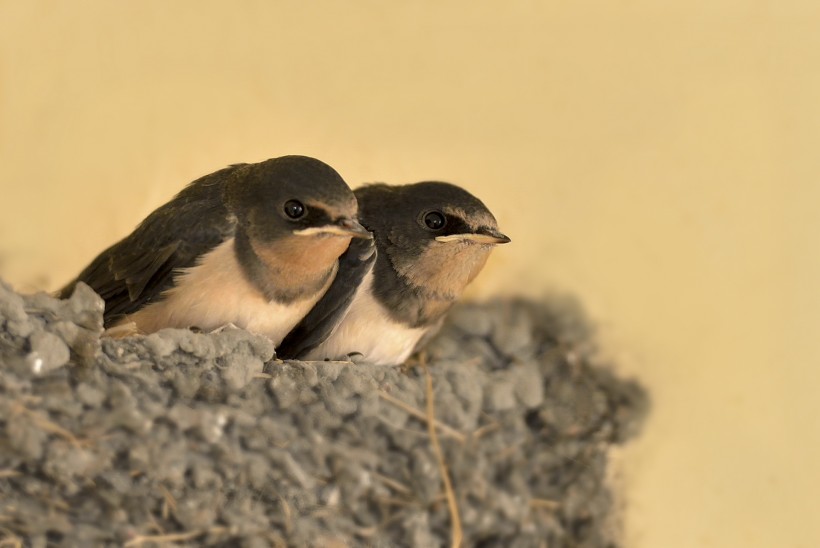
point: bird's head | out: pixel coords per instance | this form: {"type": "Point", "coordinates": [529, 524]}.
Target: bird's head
{"type": "Point", "coordinates": [435, 235]}
{"type": "Point", "coordinates": [295, 214]}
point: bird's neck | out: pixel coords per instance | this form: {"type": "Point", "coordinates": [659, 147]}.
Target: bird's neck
{"type": "Point", "coordinates": [405, 301]}
{"type": "Point", "coordinates": [420, 289]}
{"type": "Point", "coordinates": [278, 275]}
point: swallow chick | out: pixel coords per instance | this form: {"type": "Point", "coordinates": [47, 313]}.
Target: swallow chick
{"type": "Point", "coordinates": [254, 245]}
{"type": "Point", "coordinates": [432, 239]}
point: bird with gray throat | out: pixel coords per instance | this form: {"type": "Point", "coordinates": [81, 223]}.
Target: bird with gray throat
{"type": "Point", "coordinates": [432, 239]}
{"type": "Point", "coordinates": [253, 245]}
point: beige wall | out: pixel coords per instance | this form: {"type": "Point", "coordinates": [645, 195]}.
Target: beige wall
{"type": "Point", "coordinates": [658, 159]}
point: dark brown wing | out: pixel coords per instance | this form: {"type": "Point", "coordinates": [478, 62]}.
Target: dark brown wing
{"type": "Point", "coordinates": [136, 271]}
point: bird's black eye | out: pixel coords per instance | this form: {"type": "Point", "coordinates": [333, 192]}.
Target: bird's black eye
{"type": "Point", "coordinates": [435, 220]}
{"type": "Point", "coordinates": [294, 209]}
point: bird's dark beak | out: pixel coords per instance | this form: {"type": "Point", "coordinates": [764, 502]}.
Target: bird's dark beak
{"type": "Point", "coordinates": [353, 228]}
{"type": "Point", "coordinates": [343, 227]}
{"type": "Point", "coordinates": [484, 235]}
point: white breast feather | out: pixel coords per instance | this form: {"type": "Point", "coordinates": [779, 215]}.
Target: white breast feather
{"type": "Point", "coordinates": [215, 293]}
{"type": "Point", "coordinates": [368, 329]}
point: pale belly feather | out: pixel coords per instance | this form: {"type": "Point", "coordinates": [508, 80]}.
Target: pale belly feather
{"type": "Point", "coordinates": [368, 329]}
{"type": "Point", "coordinates": [215, 293]}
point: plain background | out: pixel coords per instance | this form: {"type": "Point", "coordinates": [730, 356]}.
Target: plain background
{"type": "Point", "coordinates": [659, 160]}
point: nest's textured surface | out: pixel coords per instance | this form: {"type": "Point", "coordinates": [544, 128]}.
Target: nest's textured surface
{"type": "Point", "coordinates": [205, 439]}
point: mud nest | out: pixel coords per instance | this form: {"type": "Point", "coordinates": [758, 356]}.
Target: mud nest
{"type": "Point", "coordinates": [207, 439]}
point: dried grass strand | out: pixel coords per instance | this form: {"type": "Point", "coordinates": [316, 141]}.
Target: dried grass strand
{"type": "Point", "coordinates": [139, 540]}
{"type": "Point", "coordinates": [448, 430]}
{"type": "Point", "coordinates": [452, 504]}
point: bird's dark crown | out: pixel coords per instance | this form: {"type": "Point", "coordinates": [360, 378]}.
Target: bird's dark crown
{"type": "Point", "coordinates": [396, 214]}
{"type": "Point", "coordinates": [257, 194]}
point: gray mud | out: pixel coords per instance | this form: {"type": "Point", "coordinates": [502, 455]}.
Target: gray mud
{"type": "Point", "coordinates": [207, 439]}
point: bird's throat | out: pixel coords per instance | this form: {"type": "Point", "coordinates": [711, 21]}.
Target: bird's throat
{"type": "Point", "coordinates": [290, 268]}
